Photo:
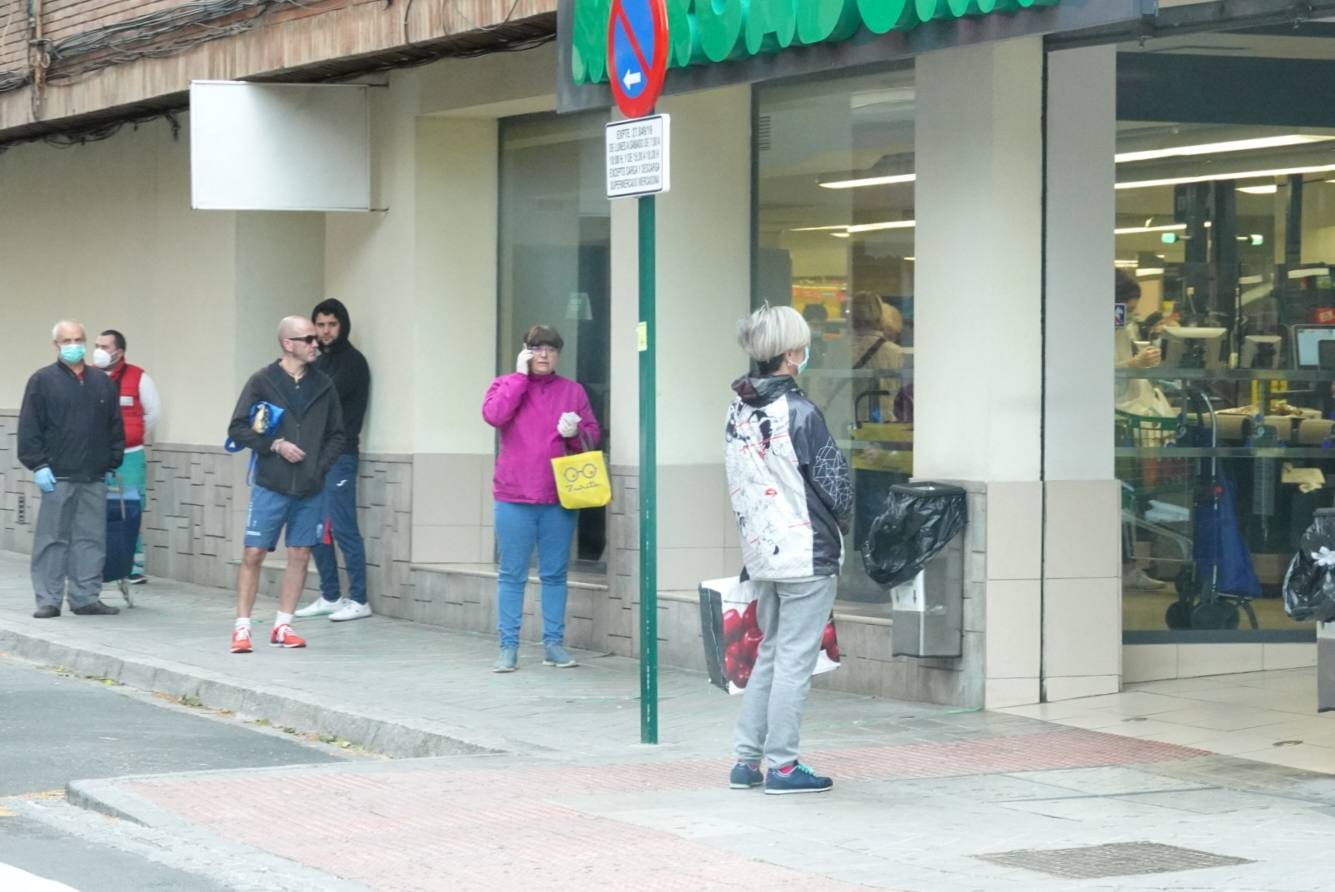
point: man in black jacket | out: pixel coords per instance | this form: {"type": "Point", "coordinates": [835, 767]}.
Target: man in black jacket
{"type": "Point", "coordinates": [290, 416]}
{"type": "Point", "coordinates": [345, 364]}
{"type": "Point", "coordinates": [70, 435]}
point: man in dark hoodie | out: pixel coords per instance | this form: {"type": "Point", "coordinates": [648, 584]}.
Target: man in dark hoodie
{"type": "Point", "coordinates": [346, 365]}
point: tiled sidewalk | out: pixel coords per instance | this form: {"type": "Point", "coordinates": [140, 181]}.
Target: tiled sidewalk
{"type": "Point", "coordinates": [552, 789]}
{"type": "Point", "coordinates": [1266, 716]}
{"type": "Point", "coordinates": [911, 817]}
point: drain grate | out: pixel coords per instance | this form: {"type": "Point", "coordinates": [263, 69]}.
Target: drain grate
{"type": "Point", "coordinates": [1112, 860]}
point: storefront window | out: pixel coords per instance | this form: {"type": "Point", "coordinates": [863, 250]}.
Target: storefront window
{"type": "Point", "coordinates": [1223, 299]}
{"type": "Point", "coordinates": [834, 239]}
{"type": "Point", "coordinates": [555, 260]}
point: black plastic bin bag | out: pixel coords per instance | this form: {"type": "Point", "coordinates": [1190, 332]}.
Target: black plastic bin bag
{"type": "Point", "coordinates": [1309, 583]}
{"type": "Point", "coordinates": [918, 520]}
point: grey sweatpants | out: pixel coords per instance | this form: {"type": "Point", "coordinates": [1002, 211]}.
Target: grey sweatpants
{"type": "Point", "coordinates": [70, 543]}
{"type": "Point", "coordinates": [791, 614]}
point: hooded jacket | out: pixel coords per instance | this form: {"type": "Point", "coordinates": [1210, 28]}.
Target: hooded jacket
{"type": "Point", "coordinates": [526, 409]}
{"type": "Point", "coordinates": [788, 482]}
{"type": "Point", "coordinates": [348, 369]}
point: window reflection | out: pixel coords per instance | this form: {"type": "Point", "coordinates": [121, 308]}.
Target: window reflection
{"type": "Point", "coordinates": [835, 235]}
{"type": "Point", "coordinates": [1222, 295]}
{"type": "Point", "coordinates": [555, 264]}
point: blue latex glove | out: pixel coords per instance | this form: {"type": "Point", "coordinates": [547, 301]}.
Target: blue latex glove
{"type": "Point", "coordinates": [110, 480]}
{"type": "Point", "coordinates": [46, 481]}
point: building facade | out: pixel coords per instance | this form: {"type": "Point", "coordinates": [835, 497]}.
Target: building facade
{"type": "Point", "coordinates": [947, 202]}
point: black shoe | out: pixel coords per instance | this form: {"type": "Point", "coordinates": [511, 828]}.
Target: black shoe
{"type": "Point", "coordinates": [47, 612]}
{"type": "Point", "coordinates": [137, 579]}
{"type": "Point", "coordinates": [97, 608]}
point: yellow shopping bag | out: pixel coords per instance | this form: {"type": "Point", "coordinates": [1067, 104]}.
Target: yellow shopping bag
{"type": "Point", "coordinates": [581, 480]}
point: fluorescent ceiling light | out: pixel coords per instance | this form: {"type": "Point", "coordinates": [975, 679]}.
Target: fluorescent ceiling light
{"type": "Point", "coordinates": [1149, 271]}
{"type": "Point", "coordinates": [1309, 272]}
{"type": "Point", "coordinates": [1213, 148]}
{"type": "Point", "coordinates": [911, 259]}
{"type": "Point", "coordinates": [870, 181]}
{"type": "Point", "coordinates": [839, 228]}
{"type": "Point", "coordinates": [1125, 264]}
{"type": "Point", "coordinates": [1132, 230]}
{"type": "Point", "coordinates": [1236, 175]}
{"type": "Point", "coordinates": [888, 224]}
{"type": "Point", "coordinates": [1268, 189]}
{"type": "Point", "coordinates": [839, 234]}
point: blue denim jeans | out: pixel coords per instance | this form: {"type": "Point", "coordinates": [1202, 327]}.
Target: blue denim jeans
{"type": "Point", "coordinates": [518, 528]}
{"type": "Point", "coordinates": [340, 509]}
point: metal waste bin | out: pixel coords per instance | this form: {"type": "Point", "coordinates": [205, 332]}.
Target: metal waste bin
{"type": "Point", "coordinates": [1325, 667]}
{"type": "Point", "coordinates": [928, 610]}
{"type": "Point", "coordinates": [915, 548]}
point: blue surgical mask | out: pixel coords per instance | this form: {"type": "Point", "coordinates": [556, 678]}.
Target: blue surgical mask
{"type": "Point", "coordinates": [806, 360]}
{"type": "Point", "coordinates": [72, 354]}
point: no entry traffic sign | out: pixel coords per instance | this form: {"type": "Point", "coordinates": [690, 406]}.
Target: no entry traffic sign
{"type": "Point", "coordinates": [637, 53]}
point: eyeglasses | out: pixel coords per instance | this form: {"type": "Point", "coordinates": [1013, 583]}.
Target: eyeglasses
{"type": "Point", "coordinates": [309, 339]}
{"type": "Point", "coordinates": [544, 348]}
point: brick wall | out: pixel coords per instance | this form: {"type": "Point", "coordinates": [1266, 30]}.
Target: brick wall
{"type": "Point", "coordinates": [309, 33]}
{"type": "Point", "coordinates": [13, 35]}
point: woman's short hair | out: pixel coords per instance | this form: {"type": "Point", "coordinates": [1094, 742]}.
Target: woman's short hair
{"type": "Point", "coordinates": [1126, 287]}
{"type": "Point", "coordinates": [543, 336]}
{"type": "Point", "coordinates": [770, 332]}
{"type": "Point", "coordinates": [866, 311]}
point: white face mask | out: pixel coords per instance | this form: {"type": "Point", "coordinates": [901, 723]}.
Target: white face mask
{"type": "Point", "coordinates": [101, 358]}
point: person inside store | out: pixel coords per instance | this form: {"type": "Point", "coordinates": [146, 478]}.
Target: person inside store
{"type": "Point", "coordinates": [1137, 396]}
{"type": "Point", "coordinates": [792, 496]}
{"type": "Point", "coordinates": [873, 346]}
{"type": "Point", "coordinates": [540, 416]}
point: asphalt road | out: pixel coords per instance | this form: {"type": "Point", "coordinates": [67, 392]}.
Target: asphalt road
{"type": "Point", "coordinates": [54, 729]}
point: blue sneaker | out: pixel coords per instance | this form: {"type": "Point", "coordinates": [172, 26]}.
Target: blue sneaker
{"type": "Point", "coordinates": [799, 779]}
{"type": "Point", "coordinates": [507, 661]}
{"type": "Point", "coordinates": [744, 776]}
{"type": "Point", "coordinates": [556, 655]}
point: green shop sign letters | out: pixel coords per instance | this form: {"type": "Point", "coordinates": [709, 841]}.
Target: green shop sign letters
{"type": "Point", "coordinates": [704, 31]}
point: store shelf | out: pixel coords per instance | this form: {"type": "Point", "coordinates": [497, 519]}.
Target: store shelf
{"type": "Point", "coordinates": [1162, 374]}
{"type": "Point", "coordinates": [1167, 452]}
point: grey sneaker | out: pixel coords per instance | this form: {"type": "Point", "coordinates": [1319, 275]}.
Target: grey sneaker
{"type": "Point", "coordinates": [507, 661]}
{"type": "Point", "coordinates": [558, 656]}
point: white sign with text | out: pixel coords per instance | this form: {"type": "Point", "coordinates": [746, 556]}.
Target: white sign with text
{"type": "Point", "coordinates": [637, 156]}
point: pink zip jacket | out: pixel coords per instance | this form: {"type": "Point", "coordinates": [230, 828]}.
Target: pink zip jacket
{"type": "Point", "coordinates": [525, 409]}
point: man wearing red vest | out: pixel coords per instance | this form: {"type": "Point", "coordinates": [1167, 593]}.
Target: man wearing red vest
{"type": "Point", "coordinates": [140, 410]}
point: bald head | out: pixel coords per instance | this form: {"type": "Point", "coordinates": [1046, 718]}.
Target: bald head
{"type": "Point", "coordinates": [295, 327]}
{"type": "Point", "coordinates": [297, 338]}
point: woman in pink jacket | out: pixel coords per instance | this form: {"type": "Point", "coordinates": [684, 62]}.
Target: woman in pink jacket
{"type": "Point", "coordinates": [540, 416]}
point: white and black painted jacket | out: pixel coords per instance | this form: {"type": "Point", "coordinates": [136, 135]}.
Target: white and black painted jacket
{"type": "Point", "coordinates": [788, 481]}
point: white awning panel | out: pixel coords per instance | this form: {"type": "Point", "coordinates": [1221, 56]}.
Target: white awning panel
{"type": "Point", "coordinates": [279, 147]}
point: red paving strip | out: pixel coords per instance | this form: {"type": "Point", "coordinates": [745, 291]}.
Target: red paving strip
{"type": "Point", "coordinates": [420, 829]}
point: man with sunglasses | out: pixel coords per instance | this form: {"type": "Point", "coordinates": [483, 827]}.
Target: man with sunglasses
{"type": "Point", "coordinates": [289, 414]}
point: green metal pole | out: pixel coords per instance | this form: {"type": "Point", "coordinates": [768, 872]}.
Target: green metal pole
{"type": "Point", "coordinates": [648, 482]}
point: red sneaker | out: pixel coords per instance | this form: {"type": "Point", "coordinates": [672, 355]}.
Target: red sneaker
{"type": "Point", "coordinates": [241, 641]}
{"type": "Point", "coordinates": [283, 636]}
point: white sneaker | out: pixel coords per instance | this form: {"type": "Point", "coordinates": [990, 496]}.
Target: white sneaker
{"type": "Point", "coordinates": [350, 610]}
{"type": "Point", "coordinates": [319, 607]}
{"type": "Point", "coordinates": [1140, 581]}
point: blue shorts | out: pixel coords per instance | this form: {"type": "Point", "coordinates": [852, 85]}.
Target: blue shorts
{"type": "Point", "coordinates": [270, 512]}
